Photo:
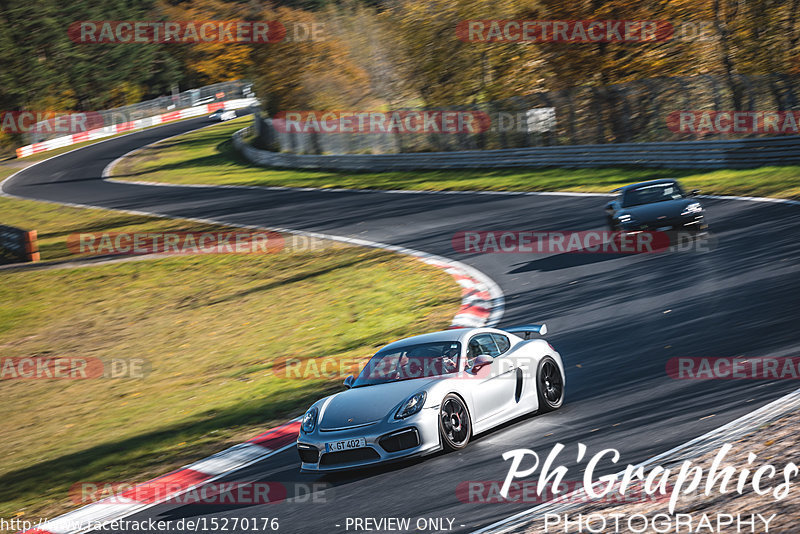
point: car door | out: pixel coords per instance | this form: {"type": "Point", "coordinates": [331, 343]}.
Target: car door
{"type": "Point", "coordinates": [495, 384]}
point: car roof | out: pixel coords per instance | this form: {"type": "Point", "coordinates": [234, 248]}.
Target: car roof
{"type": "Point", "coordinates": [641, 184]}
{"type": "Point", "coordinates": [453, 334]}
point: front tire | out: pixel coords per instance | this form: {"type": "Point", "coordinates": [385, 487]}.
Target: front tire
{"type": "Point", "coordinates": [455, 425]}
{"type": "Point", "coordinates": [549, 385]}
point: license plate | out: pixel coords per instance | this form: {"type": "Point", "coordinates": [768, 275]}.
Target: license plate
{"type": "Point", "coordinates": [346, 444]}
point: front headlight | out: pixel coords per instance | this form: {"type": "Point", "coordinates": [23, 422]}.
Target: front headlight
{"type": "Point", "coordinates": [626, 219]}
{"type": "Point", "coordinates": [310, 420]}
{"type": "Point", "coordinates": [694, 207]}
{"type": "Point", "coordinates": [411, 406]}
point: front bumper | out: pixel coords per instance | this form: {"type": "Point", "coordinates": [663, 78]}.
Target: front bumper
{"type": "Point", "coordinates": [386, 441]}
{"type": "Point", "coordinates": [687, 222]}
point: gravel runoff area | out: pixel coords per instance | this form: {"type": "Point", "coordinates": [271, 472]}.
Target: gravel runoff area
{"type": "Point", "coordinates": [769, 433]}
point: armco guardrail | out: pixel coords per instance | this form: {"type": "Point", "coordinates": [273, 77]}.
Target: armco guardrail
{"type": "Point", "coordinates": [190, 98]}
{"type": "Point", "coordinates": [729, 154]}
{"type": "Point", "coordinates": [146, 122]}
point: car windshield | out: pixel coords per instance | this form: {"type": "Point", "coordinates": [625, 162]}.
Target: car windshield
{"type": "Point", "coordinates": [647, 194]}
{"type": "Point", "coordinates": [422, 360]}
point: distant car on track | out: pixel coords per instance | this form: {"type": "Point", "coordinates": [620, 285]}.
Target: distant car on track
{"type": "Point", "coordinates": [431, 392]}
{"type": "Point", "coordinates": [657, 205]}
{"type": "Point", "coordinates": [223, 115]}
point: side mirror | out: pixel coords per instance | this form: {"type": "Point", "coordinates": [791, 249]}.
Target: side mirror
{"type": "Point", "coordinates": [348, 382]}
{"type": "Point", "coordinates": [610, 207]}
{"type": "Point", "coordinates": [482, 360]}
{"type": "Point", "coordinates": [694, 192]}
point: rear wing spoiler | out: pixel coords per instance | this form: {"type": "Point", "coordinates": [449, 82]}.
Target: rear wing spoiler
{"type": "Point", "coordinates": [528, 330]}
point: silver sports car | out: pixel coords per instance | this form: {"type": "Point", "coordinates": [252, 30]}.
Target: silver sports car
{"type": "Point", "coordinates": [431, 392]}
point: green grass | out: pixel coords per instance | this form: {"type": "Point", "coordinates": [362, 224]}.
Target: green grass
{"type": "Point", "coordinates": [55, 223]}
{"type": "Point", "coordinates": [210, 329]}
{"type": "Point", "coordinates": [185, 160]}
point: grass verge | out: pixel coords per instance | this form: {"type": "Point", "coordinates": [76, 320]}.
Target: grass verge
{"type": "Point", "coordinates": [54, 223]}
{"type": "Point", "coordinates": [186, 159]}
{"type": "Point", "coordinates": [209, 330]}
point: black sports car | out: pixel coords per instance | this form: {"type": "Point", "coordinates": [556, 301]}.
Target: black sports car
{"type": "Point", "coordinates": [657, 205]}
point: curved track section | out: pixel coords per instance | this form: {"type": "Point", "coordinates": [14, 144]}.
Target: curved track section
{"type": "Point", "coordinates": [615, 319]}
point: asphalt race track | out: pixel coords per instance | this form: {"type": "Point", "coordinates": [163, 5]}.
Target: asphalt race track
{"type": "Point", "coordinates": [615, 319]}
